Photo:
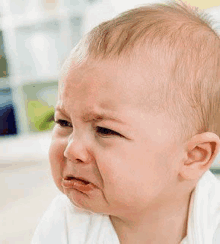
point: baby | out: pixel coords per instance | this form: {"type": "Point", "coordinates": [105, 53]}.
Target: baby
{"type": "Point", "coordinates": [136, 133]}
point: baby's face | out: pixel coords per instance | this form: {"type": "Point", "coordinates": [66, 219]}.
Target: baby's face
{"type": "Point", "coordinates": [107, 136]}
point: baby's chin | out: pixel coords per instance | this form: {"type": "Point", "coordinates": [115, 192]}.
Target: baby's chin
{"type": "Point", "coordinates": [94, 203]}
{"type": "Point", "coordinates": [85, 208]}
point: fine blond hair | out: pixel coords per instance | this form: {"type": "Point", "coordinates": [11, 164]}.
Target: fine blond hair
{"type": "Point", "coordinates": [178, 36]}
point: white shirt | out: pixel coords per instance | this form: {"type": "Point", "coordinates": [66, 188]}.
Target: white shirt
{"type": "Point", "coordinates": [64, 223]}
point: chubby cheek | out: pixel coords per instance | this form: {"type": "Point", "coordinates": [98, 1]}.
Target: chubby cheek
{"type": "Point", "coordinates": [117, 179]}
{"type": "Point", "coordinates": [132, 176]}
{"type": "Point", "coordinates": [57, 160]}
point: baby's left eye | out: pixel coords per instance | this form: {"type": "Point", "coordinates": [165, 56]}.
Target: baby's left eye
{"type": "Point", "coordinates": [106, 132]}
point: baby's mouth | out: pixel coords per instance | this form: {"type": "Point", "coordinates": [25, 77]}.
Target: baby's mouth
{"type": "Point", "coordinates": [71, 178]}
{"type": "Point", "coordinates": [80, 184]}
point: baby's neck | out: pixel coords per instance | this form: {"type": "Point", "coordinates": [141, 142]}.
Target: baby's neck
{"type": "Point", "coordinates": [167, 226]}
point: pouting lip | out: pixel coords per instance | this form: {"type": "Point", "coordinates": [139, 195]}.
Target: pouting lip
{"type": "Point", "coordinates": [71, 177]}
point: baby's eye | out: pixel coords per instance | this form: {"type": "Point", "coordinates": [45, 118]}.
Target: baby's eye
{"type": "Point", "coordinates": [63, 123]}
{"type": "Point", "coordinates": [106, 132]}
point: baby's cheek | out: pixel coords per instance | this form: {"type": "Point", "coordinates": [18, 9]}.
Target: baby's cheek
{"type": "Point", "coordinates": [56, 159]}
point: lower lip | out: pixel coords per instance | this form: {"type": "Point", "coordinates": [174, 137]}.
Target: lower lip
{"type": "Point", "coordinates": [78, 185]}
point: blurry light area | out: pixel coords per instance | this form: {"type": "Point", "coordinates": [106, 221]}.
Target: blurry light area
{"type": "Point", "coordinates": [44, 53]}
{"type": "Point", "coordinates": [204, 4]}
{"type": "Point", "coordinates": [107, 9]}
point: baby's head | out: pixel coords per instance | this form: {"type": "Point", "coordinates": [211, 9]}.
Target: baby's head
{"type": "Point", "coordinates": [138, 101]}
{"type": "Point", "coordinates": [182, 48]}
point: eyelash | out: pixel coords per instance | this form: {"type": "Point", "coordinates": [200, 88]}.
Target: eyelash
{"type": "Point", "coordinates": [106, 132]}
{"type": "Point", "coordinates": [100, 130]}
{"type": "Point", "coordinates": [63, 123]}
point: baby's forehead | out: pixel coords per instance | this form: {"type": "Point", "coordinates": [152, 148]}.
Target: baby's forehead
{"type": "Point", "coordinates": [141, 61]}
{"type": "Point", "coordinates": [139, 82]}
{"type": "Point", "coordinates": [123, 69]}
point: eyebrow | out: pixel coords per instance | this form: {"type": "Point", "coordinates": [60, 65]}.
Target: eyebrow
{"type": "Point", "coordinates": [93, 116]}
{"type": "Point", "coordinates": [97, 117]}
{"type": "Point", "coordinates": [61, 110]}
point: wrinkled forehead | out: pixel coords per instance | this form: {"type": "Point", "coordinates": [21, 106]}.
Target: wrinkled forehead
{"type": "Point", "coordinates": [140, 75]}
{"type": "Point", "coordinates": [92, 77]}
{"type": "Point", "coordinates": [80, 76]}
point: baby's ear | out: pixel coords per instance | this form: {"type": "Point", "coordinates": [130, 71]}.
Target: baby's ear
{"type": "Point", "coordinates": [201, 152]}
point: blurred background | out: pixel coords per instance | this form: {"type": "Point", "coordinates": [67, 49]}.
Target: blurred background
{"type": "Point", "coordinates": [36, 37]}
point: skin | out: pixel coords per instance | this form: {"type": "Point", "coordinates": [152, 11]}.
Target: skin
{"type": "Point", "coordinates": [143, 173]}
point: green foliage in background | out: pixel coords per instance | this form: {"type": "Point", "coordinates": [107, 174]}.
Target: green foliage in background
{"type": "Point", "coordinates": [41, 116]}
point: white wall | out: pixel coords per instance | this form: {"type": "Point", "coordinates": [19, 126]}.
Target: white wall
{"type": "Point", "coordinates": [107, 9]}
{"type": "Point", "coordinates": [215, 14]}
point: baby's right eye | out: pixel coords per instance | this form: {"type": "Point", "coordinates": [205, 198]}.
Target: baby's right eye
{"type": "Point", "coordinates": [63, 123]}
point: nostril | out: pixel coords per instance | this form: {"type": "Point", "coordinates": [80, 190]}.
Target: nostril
{"type": "Point", "coordinates": [79, 160]}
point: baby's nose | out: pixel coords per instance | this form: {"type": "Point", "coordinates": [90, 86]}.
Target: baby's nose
{"type": "Point", "coordinates": [76, 150]}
